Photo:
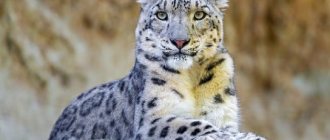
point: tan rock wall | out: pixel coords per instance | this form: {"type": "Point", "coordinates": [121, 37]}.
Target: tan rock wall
{"type": "Point", "coordinates": [52, 50]}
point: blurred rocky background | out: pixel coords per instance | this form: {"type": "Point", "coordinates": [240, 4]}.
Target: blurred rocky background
{"type": "Point", "coordinates": [52, 50]}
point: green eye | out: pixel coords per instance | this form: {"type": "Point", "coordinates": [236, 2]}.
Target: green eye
{"type": "Point", "coordinates": [162, 15]}
{"type": "Point", "coordinates": [199, 15]}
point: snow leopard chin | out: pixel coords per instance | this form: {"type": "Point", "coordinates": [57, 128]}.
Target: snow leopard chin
{"type": "Point", "coordinates": [180, 62]}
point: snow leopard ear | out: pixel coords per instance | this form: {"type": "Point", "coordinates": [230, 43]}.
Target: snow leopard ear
{"type": "Point", "coordinates": [142, 1]}
{"type": "Point", "coordinates": [145, 2]}
{"type": "Point", "coordinates": [222, 4]}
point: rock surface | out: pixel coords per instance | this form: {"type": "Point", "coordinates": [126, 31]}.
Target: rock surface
{"type": "Point", "coordinates": [50, 51]}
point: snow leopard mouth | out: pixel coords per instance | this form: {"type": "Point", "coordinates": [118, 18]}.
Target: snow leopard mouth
{"type": "Point", "coordinates": [179, 54]}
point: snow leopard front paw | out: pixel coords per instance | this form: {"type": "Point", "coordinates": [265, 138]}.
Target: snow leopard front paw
{"type": "Point", "coordinates": [248, 136]}
{"type": "Point", "coordinates": [216, 136]}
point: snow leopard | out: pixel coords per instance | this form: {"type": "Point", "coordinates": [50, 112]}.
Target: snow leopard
{"type": "Point", "coordinates": [181, 86]}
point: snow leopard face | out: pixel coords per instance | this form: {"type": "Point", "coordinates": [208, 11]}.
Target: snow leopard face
{"type": "Point", "coordinates": [180, 33]}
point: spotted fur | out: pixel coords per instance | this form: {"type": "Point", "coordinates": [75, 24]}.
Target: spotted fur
{"type": "Point", "coordinates": [180, 88]}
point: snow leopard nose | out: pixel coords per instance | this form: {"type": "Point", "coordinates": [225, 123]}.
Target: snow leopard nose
{"type": "Point", "coordinates": [180, 43]}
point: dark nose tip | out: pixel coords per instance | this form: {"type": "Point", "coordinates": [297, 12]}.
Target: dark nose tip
{"type": "Point", "coordinates": [180, 43]}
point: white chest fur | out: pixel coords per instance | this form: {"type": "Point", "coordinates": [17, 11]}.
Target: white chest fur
{"type": "Point", "coordinates": [184, 95]}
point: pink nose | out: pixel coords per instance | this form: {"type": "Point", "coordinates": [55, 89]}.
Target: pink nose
{"type": "Point", "coordinates": [180, 43]}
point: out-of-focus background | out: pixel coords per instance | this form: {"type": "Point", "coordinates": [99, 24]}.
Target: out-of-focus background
{"type": "Point", "coordinates": [52, 50]}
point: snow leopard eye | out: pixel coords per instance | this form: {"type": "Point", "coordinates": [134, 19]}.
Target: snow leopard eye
{"type": "Point", "coordinates": [199, 15]}
{"type": "Point", "coordinates": [161, 15]}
